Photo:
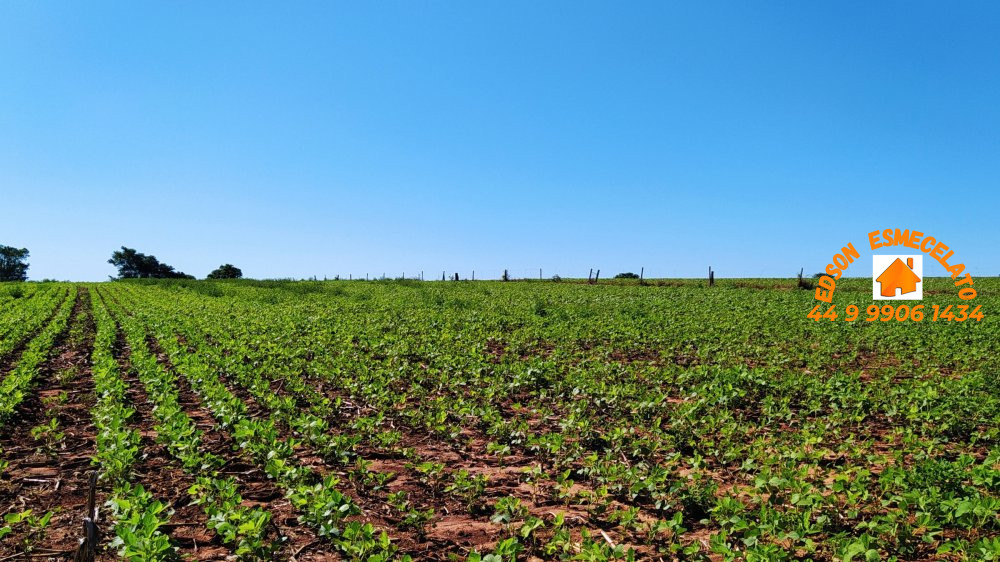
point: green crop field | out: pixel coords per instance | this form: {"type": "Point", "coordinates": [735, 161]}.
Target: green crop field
{"type": "Point", "coordinates": [495, 421]}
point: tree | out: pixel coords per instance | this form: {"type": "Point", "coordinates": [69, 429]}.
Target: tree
{"type": "Point", "coordinates": [226, 271]}
{"type": "Point", "coordinates": [136, 265]}
{"type": "Point", "coordinates": [628, 275]}
{"type": "Point", "coordinates": [13, 264]}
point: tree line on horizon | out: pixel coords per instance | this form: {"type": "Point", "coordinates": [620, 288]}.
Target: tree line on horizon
{"type": "Point", "coordinates": [130, 263]}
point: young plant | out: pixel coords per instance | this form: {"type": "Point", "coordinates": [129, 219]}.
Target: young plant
{"type": "Point", "coordinates": [469, 488]}
{"type": "Point", "coordinates": [35, 527]}
{"type": "Point", "coordinates": [138, 520]}
{"type": "Point", "coordinates": [507, 510]}
{"type": "Point", "coordinates": [49, 434]}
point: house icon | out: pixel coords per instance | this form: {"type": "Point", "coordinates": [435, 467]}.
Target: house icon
{"type": "Point", "coordinates": [898, 276]}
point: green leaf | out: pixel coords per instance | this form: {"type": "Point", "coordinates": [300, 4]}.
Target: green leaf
{"type": "Point", "coordinates": [963, 508]}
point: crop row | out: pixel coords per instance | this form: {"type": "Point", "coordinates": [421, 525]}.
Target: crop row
{"type": "Point", "coordinates": [24, 316]}
{"type": "Point", "coordinates": [318, 500]}
{"type": "Point", "coordinates": [300, 411]}
{"type": "Point", "coordinates": [19, 380]}
{"type": "Point", "coordinates": [242, 527]}
{"type": "Point", "coordinates": [14, 294]}
{"type": "Point", "coordinates": [315, 416]}
{"type": "Point", "coordinates": [138, 517]}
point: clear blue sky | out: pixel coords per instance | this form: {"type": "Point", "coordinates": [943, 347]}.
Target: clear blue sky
{"type": "Point", "coordinates": [298, 139]}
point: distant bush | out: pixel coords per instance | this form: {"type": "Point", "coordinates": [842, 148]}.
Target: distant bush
{"type": "Point", "coordinates": [226, 271]}
{"type": "Point", "coordinates": [556, 278]}
{"type": "Point", "coordinates": [628, 275]}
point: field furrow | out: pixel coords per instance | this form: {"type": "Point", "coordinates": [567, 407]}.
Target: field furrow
{"type": "Point", "coordinates": [255, 487]}
{"type": "Point", "coordinates": [49, 443]}
{"type": "Point", "coordinates": [317, 502]}
{"type": "Point", "coordinates": [198, 492]}
{"type": "Point", "coordinates": [24, 324]}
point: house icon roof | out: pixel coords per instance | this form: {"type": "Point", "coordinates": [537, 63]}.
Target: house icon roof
{"type": "Point", "coordinates": [898, 276]}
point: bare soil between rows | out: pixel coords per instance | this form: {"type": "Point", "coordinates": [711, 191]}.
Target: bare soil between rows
{"type": "Point", "coordinates": [49, 471]}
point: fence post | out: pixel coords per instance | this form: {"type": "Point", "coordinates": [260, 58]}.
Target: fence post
{"type": "Point", "coordinates": [711, 277]}
{"type": "Point", "coordinates": [590, 276]}
{"type": "Point", "coordinates": [598, 276]}
{"type": "Point", "coordinates": [642, 270]}
{"type": "Point", "coordinates": [87, 550]}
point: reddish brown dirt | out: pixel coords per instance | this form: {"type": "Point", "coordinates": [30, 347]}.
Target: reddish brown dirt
{"type": "Point", "coordinates": [51, 474]}
{"type": "Point", "coordinates": [255, 487]}
{"type": "Point", "coordinates": [495, 350]}
{"type": "Point", "coordinates": [455, 529]}
{"type": "Point", "coordinates": [158, 474]}
{"type": "Point", "coordinates": [432, 542]}
{"type": "Point", "coordinates": [459, 529]}
{"type": "Point", "coordinates": [169, 483]}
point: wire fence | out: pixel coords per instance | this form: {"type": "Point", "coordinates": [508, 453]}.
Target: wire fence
{"type": "Point", "coordinates": [487, 274]}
